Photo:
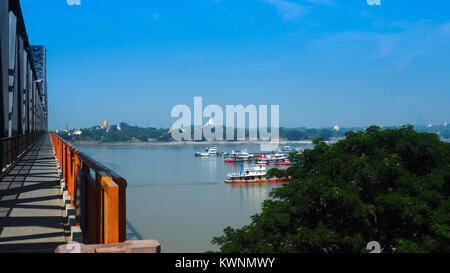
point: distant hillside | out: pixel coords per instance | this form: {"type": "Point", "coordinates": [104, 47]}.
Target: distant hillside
{"type": "Point", "coordinates": [127, 133]}
{"type": "Point", "coordinates": [121, 133]}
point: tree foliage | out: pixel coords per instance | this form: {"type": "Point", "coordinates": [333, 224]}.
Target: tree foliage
{"type": "Point", "coordinates": [125, 134]}
{"type": "Point", "coordinates": [390, 186]}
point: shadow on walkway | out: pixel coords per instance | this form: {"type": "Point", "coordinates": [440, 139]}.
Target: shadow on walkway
{"type": "Point", "coordinates": [31, 205]}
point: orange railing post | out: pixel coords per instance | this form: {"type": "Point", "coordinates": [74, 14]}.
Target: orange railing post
{"type": "Point", "coordinates": [110, 211]}
{"type": "Point", "coordinates": [104, 209]}
{"type": "Point", "coordinates": [76, 163]}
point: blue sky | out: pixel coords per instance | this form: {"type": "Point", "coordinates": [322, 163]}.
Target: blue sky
{"type": "Point", "coordinates": [323, 61]}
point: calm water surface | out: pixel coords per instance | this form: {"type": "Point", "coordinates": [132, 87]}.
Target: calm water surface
{"type": "Point", "coordinates": [179, 199]}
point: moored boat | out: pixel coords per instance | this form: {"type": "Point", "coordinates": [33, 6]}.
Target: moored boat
{"type": "Point", "coordinates": [237, 156]}
{"type": "Point", "coordinates": [202, 154]}
{"type": "Point", "coordinates": [252, 175]}
{"type": "Point", "coordinates": [212, 151]}
{"type": "Point", "coordinates": [288, 148]}
{"type": "Point", "coordinates": [275, 159]}
{"type": "Point", "coordinates": [208, 152]}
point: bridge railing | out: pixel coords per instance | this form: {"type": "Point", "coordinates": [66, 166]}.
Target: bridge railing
{"type": "Point", "coordinates": [98, 194]}
{"type": "Point", "coordinates": [12, 147]}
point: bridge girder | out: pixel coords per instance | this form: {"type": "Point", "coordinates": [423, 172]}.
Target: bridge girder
{"type": "Point", "coordinates": [23, 83]}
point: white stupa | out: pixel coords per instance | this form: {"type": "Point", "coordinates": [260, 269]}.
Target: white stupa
{"type": "Point", "coordinates": [445, 124]}
{"type": "Point", "coordinates": [119, 128]}
{"type": "Point", "coordinates": [209, 123]}
{"type": "Point", "coordinates": [430, 125]}
{"type": "Point", "coordinates": [336, 127]}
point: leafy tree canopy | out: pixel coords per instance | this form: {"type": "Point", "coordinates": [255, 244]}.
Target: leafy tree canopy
{"type": "Point", "coordinates": [390, 186]}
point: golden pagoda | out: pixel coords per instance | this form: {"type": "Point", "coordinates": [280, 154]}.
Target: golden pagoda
{"type": "Point", "coordinates": [105, 125]}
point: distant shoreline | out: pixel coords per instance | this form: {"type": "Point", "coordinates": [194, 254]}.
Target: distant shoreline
{"type": "Point", "coordinates": [189, 143]}
{"type": "Point", "coordinates": [196, 143]}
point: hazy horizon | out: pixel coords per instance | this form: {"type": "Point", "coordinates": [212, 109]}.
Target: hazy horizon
{"type": "Point", "coordinates": [284, 127]}
{"type": "Point", "coordinates": [323, 62]}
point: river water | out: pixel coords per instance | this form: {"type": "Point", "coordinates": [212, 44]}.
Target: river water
{"type": "Point", "coordinates": [178, 199]}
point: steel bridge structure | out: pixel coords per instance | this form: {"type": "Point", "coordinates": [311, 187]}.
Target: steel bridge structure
{"type": "Point", "coordinates": [23, 77]}
{"type": "Point", "coordinates": [51, 194]}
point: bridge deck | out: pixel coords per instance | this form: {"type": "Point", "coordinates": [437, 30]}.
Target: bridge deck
{"type": "Point", "coordinates": [31, 206]}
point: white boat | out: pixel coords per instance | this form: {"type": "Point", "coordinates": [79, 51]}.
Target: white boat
{"type": "Point", "coordinates": [248, 174]}
{"type": "Point", "coordinates": [277, 159]}
{"type": "Point", "coordinates": [253, 174]}
{"type": "Point", "coordinates": [288, 148]}
{"type": "Point", "coordinates": [209, 152]}
{"type": "Point", "coordinates": [202, 154]}
{"type": "Point", "coordinates": [238, 156]}
{"type": "Point", "coordinates": [212, 151]}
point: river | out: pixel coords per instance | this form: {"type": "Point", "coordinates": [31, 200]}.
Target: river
{"type": "Point", "coordinates": [178, 199]}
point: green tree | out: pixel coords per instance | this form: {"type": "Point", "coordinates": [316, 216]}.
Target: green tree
{"type": "Point", "coordinates": [295, 135]}
{"type": "Point", "coordinates": [390, 186]}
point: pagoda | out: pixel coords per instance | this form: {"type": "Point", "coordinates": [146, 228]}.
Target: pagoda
{"type": "Point", "coordinates": [105, 125]}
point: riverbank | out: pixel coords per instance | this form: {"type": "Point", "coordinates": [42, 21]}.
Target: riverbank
{"type": "Point", "coordinates": [192, 143]}
{"type": "Point", "coordinates": [203, 143]}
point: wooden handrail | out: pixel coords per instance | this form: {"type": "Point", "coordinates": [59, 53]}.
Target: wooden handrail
{"type": "Point", "coordinates": [12, 147]}
{"type": "Point", "coordinates": [98, 194]}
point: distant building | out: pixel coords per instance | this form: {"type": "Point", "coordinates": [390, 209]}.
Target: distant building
{"type": "Point", "coordinates": [105, 125]}
{"type": "Point", "coordinates": [57, 131]}
{"type": "Point", "coordinates": [78, 132]}
{"type": "Point", "coordinates": [209, 123]}
{"type": "Point", "coordinates": [430, 125]}
{"type": "Point", "coordinates": [336, 127]}
{"type": "Point", "coordinates": [67, 129]}
{"type": "Point", "coordinates": [445, 124]}
{"type": "Point", "coordinates": [119, 128]}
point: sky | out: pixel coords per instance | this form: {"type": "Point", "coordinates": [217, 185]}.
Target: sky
{"type": "Point", "coordinates": [322, 61]}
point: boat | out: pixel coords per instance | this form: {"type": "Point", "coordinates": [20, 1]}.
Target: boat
{"type": "Point", "coordinates": [288, 148]}
{"type": "Point", "coordinates": [201, 154]}
{"type": "Point", "coordinates": [279, 159]}
{"type": "Point", "coordinates": [263, 160]}
{"type": "Point", "coordinates": [212, 151]}
{"type": "Point", "coordinates": [285, 163]}
{"type": "Point", "coordinates": [237, 156]}
{"type": "Point", "coordinates": [252, 175]}
{"type": "Point", "coordinates": [275, 159]}
{"type": "Point", "coordinates": [208, 152]}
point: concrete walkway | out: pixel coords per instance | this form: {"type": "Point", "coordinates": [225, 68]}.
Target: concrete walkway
{"type": "Point", "coordinates": [31, 206]}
